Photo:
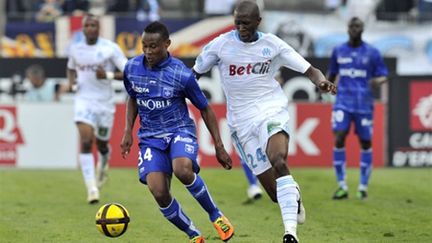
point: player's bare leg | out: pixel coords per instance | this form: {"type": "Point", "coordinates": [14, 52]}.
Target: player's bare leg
{"type": "Point", "coordinates": [104, 154]}
{"type": "Point", "coordinates": [287, 190]}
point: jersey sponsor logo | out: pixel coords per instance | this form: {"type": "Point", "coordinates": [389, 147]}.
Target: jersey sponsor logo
{"type": "Point", "coordinates": [366, 122]}
{"type": "Point", "coordinates": [273, 125]}
{"type": "Point", "coordinates": [183, 139]}
{"type": "Point", "coordinates": [140, 89]}
{"type": "Point", "coordinates": [154, 104]}
{"type": "Point", "coordinates": [344, 60]}
{"type": "Point", "coordinates": [91, 67]}
{"type": "Point", "coordinates": [353, 73]}
{"type": "Point", "coordinates": [251, 68]}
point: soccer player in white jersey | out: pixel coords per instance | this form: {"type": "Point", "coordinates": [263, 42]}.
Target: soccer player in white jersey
{"type": "Point", "coordinates": [257, 107]}
{"type": "Point", "coordinates": [91, 66]}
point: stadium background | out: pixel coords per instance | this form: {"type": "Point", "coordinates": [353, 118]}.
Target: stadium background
{"type": "Point", "coordinates": [43, 135]}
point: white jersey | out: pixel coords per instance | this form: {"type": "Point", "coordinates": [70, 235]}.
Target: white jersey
{"type": "Point", "coordinates": [44, 93]}
{"type": "Point", "coordinates": [85, 59]}
{"type": "Point", "coordinates": [247, 71]}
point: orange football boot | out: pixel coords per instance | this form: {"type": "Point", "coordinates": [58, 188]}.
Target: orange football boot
{"type": "Point", "coordinates": [224, 228]}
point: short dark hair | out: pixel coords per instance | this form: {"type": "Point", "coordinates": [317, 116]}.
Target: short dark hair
{"type": "Point", "coordinates": [35, 70]}
{"type": "Point", "coordinates": [157, 27]}
{"type": "Point", "coordinates": [247, 6]}
{"type": "Point", "coordinates": [90, 16]}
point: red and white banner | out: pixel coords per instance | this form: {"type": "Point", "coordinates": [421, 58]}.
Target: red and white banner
{"type": "Point", "coordinates": [31, 139]}
{"type": "Point", "coordinates": [311, 142]}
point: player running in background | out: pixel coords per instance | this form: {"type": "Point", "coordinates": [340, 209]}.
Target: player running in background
{"type": "Point", "coordinates": [358, 66]}
{"type": "Point", "coordinates": [91, 67]}
{"type": "Point", "coordinates": [257, 107]}
{"type": "Point", "coordinates": [158, 85]}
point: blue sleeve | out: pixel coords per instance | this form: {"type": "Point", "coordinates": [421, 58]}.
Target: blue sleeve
{"type": "Point", "coordinates": [380, 69]}
{"type": "Point", "coordinates": [126, 83]}
{"type": "Point", "coordinates": [333, 66]}
{"type": "Point", "coordinates": [194, 93]}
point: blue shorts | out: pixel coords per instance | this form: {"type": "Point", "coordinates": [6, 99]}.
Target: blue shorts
{"type": "Point", "coordinates": [157, 154]}
{"type": "Point", "coordinates": [341, 121]}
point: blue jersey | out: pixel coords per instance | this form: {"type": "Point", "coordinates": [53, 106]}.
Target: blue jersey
{"type": "Point", "coordinates": [355, 66]}
{"type": "Point", "coordinates": [161, 94]}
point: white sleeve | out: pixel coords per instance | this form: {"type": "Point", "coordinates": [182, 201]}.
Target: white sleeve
{"type": "Point", "coordinates": [290, 58]}
{"type": "Point", "coordinates": [208, 57]}
{"type": "Point", "coordinates": [118, 58]}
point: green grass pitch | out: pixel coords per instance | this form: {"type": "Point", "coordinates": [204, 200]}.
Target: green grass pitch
{"type": "Point", "coordinates": [50, 206]}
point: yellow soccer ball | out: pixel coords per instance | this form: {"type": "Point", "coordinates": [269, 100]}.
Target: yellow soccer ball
{"type": "Point", "coordinates": [112, 219]}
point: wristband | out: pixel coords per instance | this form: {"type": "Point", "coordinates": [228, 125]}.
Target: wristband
{"type": "Point", "coordinates": [109, 75]}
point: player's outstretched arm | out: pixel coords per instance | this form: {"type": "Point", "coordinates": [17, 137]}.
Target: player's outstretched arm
{"type": "Point", "coordinates": [71, 76]}
{"type": "Point", "coordinates": [318, 78]}
{"type": "Point", "coordinates": [131, 114]}
{"type": "Point", "coordinates": [378, 81]}
{"type": "Point", "coordinates": [221, 154]}
{"type": "Point", "coordinates": [102, 74]}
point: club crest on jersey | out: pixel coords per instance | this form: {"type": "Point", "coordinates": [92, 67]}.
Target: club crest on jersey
{"type": "Point", "coordinates": [167, 92]}
{"type": "Point", "coordinates": [266, 52]}
{"type": "Point", "coordinates": [251, 68]}
{"type": "Point", "coordinates": [365, 60]}
{"type": "Point", "coordinates": [189, 149]}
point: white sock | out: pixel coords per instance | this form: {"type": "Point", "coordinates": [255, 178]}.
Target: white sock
{"type": "Point", "coordinates": [343, 185]}
{"type": "Point", "coordinates": [287, 196]}
{"type": "Point", "coordinates": [362, 187]}
{"type": "Point", "coordinates": [88, 171]}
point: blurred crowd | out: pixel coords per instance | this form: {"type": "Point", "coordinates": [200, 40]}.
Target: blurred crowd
{"type": "Point", "coordinates": [48, 10]}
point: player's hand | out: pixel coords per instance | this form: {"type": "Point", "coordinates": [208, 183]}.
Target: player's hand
{"type": "Point", "coordinates": [223, 158]}
{"type": "Point", "coordinates": [126, 144]}
{"type": "Point", "coordinates": [327, 87]}
{"type": "Point", "coordinates": [100, 73]}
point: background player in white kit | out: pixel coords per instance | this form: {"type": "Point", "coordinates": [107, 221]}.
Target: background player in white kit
{"type": "Point", "coordinates": [91, 67]}
{"type": "Point", "coordinates": [257, 107]}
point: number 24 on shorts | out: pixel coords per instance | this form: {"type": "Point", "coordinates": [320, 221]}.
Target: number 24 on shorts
{"type": "Point", "coordinates": [259, 155]}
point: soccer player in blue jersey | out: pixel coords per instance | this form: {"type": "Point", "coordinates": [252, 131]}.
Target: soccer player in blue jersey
{"type": "Point", "coordinates": [358, 66]}
{"type": "Point", "coordinates": [158, 85]}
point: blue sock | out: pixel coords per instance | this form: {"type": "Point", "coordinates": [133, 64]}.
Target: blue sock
{"type": "Point", "coordinates": [199, 191]}
{"type": "Point", "coordinates": [339, 161]}
{"type": "Point", "coordinates": [176, 216]}
{"type": "Point", "coordinates": [365, 167]}
{"type": "Point", "coordinates": [249, 174]}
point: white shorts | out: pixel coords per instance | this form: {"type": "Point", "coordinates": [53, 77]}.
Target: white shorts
{"type": "Point", "coordinates": [250, 139]}
{"type": "Point", "coordinates": [100, 115]}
